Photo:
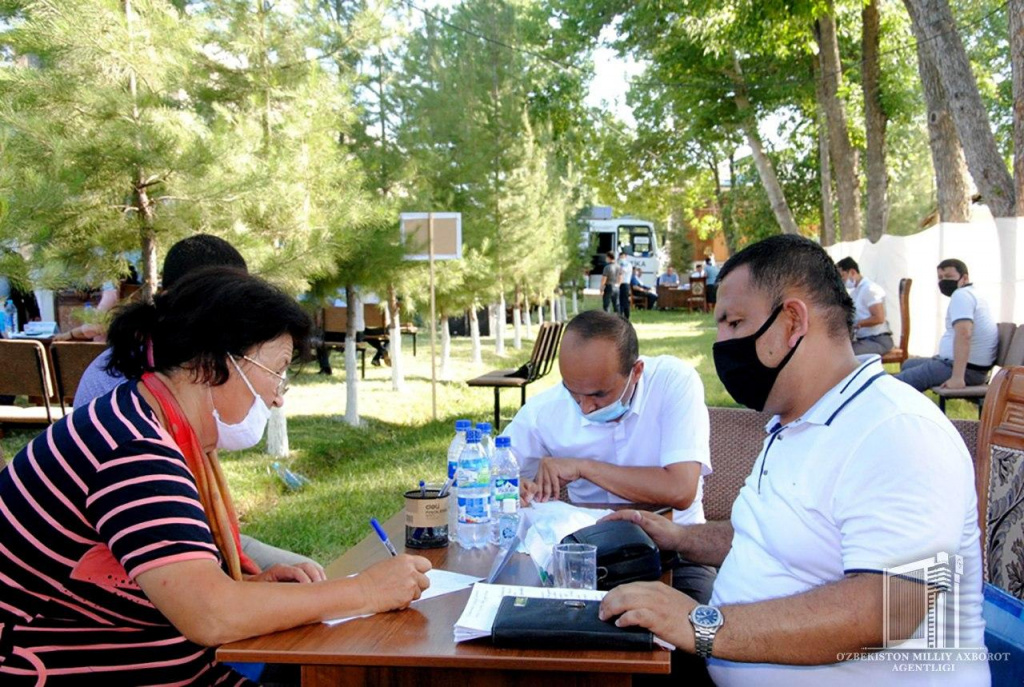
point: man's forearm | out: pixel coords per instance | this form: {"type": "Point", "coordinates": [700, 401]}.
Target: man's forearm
{"type": "Point", "coordinates": [707, 544]}
{"type": "Point", "coordinates": [674, 486]}
{"type": "Point", "coordinates": [819, 626]}
{"type": "Point", "coordinates": [961, 353]}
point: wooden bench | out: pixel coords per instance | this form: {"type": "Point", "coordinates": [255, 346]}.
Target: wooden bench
{"type": "Point", "coordinates": [545, 351]}
{"type": "Point", "coordinates": [25, 371]}
{"type": "Point", "coordinates": [333, 328]}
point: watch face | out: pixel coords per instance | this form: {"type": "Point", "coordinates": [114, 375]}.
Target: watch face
{"type": "Point", "coordinates": [707, 616]}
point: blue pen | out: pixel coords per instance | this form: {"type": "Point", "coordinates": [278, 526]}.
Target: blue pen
{"type": "Point", "coordinates": [444, 488]}
{"type": "Point", "coordinates": [383, 537]}
{"type": "Point", "coordinates": [423, 489]}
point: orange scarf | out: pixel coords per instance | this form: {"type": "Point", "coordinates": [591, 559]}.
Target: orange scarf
{"type": "Point", "coordinates": [213, 488]}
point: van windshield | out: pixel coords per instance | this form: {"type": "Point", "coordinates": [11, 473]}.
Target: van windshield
{"type": "Point", "coordinates": [636, 240]}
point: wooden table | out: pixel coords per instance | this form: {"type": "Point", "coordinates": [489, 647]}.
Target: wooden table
{"type": "Point", "coordinates": [416, 646]}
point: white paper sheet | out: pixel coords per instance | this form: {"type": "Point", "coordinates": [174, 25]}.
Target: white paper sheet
{"type": "Point", "coordinates": [441, 582]}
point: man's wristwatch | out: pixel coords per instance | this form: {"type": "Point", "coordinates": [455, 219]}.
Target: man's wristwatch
{"type": "Point", "coordinates": [705, 620]}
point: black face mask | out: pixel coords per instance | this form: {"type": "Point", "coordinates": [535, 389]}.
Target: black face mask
{"type": "Point", "coordinates": [948, 286]}
{"type": "Point", "coordinates": [746, 378]}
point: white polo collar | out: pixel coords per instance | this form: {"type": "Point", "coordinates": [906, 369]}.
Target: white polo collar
{"type": "Point", "coordinates": [835, 399]}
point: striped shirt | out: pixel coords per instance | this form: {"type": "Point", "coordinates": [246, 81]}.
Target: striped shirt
{"type": "Point", "coordinates": [91, 503]}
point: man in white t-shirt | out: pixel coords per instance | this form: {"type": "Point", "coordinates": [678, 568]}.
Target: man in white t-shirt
{"type": "Point", "coordinates": [621, 428]}
{"type": "Point", "coordinates": [967, 349]}
{"type": "Point", "coordinates": [871, 332]}
{"type": "Point", "coordinates": [859, 475]}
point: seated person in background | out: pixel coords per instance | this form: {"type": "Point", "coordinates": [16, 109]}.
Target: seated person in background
{"type": "Point", "coordinates": [638, 287]}
{"type": "Point", "coordinates": [133, 569]}
{"type": "Point", "coordinates": [858, 475]}
{"type": "Point", "coordinates": [968, 347]}
{"type": "Point", "coordinates": [183, 259]}
{"type": "Point", "coordinates": [619, 429]}
{"type": "Point", "coordinates": [189, 254]}
{"type": "Point", "coordinates": [670, 278]}
{"type": "Point", "coordinates": [698, 271]}
{"type": "Point", "coordinates": [871, 331]}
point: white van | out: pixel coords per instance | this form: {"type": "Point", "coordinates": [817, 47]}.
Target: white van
{"type": "Point", "coordinates": [634, 236]}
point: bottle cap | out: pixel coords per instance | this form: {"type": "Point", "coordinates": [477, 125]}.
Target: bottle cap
{"type": "Point", "coordinates": [484, 427]}
{"type": "Point", "coordinates": [503, 442]}
{"type": "Point", "coordinates": [462, 425]}
{"type": "Point", "coordinates": [472, 436]}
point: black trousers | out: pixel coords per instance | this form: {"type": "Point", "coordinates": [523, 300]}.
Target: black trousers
{"type": "Point", "coordinates": [624, 290]}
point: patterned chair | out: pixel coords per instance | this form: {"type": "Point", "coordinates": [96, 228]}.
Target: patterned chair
{"type": "Point", "coordinates": [999, 477]}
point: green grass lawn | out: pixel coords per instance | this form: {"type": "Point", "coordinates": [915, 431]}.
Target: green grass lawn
{"type": "Point", "coordinates": [360, 472]}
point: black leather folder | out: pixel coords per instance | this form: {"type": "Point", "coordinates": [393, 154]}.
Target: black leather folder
{"type": "Point", "coordinates": [526, 623]}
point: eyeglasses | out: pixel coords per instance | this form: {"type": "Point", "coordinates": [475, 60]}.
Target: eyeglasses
{"type": "Point", "coordinates": [282, 384]}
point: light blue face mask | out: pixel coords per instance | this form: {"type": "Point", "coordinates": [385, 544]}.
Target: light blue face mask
{"type": "Point", "coordinates": [611, 412]}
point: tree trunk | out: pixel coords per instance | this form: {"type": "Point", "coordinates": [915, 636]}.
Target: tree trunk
{"type": "Point", "coordinates": [1016, 11]}
{"type": "Point", "coordinates": [395, 347]}
{"type": "Point", "coordinates": [575, 302]}
{"type": "Point", "coordinates": [952, 180]}
{"type": "Point", "coordinates": [765, 170]}
{"type": "Point", "coordinates": [277, 433]}
{"type": "Point", "coordinates": [351, 366]}
{"type": "Point", "coordinates": [474, 335]}
{"type": "Point", "coordinates": [540, 313]}
{"type": "Point", "coordinates": [446, 350]}
{"type": "Point", "coordinates": [499, 322]}
{"type": "Point", "coordinates": [148, 240]}
{"type": "Point", "coordinates": [517, 319]}
{"type": "Point", "coordinates": [529, 319]}
{"type": "Point", "coordinates": [828, 211]}
{"type": "Point", "coordinates": [875, 122]}
{"type": "Point", "coordinates": [941, 41]}
{"type": "Point", "coordinates": [842, 152]}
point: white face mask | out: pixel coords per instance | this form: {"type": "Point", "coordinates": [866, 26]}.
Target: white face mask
{"type": "Point", "coordinates": [851, 284]}
{"type": "Point", "coordinates": [249, 431]}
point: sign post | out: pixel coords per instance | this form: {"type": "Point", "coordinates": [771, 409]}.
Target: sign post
{"type": "Point", "coordinates": [440, 234]}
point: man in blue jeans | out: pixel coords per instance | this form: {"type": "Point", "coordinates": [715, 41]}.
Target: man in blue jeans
{"type": "Point", "coordinates": [967, 349]}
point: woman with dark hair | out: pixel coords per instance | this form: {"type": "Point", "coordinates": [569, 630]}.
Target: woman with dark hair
{"type": "Point", "coordinates": [121, 560]}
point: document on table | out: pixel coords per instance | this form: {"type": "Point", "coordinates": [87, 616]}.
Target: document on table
{"type": "Point", "coordinates": [441, 582]}
{"type": "Point", "coordinates": [478, 616]}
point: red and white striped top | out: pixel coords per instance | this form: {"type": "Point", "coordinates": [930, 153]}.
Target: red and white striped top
{"type": "Point", "coordinates": [105, 480]}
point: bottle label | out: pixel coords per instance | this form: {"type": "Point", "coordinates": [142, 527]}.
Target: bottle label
{"type": "Point", "coordinates": [474, 511]}
{"type": "Point", "coordinates": [506, 494]}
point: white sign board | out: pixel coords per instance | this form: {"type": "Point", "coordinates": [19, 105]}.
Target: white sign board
{"type": "Point", "coordinates": [447, 235]}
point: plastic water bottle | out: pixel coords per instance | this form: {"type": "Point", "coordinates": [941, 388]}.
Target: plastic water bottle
{"type": "Point", "coordinates": [487, 446]}
{"type": "Point", "coordinates": [486, 440]}
{"type": "Point", "coordinates": [505, 488]}
{"type": "Point", "coordinates": [11, 315]}
{"type": "Point", "coordinates": [454, 451]}
{"type": "Point", "coordinates": [474, 494]}
{"type": "Point", "coordinates": [292, 480]}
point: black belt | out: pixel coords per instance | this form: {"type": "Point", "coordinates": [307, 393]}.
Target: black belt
{"type": "Point", "coordinates": [979, 368]}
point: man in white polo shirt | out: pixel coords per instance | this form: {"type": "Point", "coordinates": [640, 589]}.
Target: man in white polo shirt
{"type": "Point", "coordinates": [967, 349]}
{"type": "Point", "coordinates": [858, 475]}
{"type": "Point", "coordinates": [871, 332]}
{"type": "Point", "coordinates": [621, 428]}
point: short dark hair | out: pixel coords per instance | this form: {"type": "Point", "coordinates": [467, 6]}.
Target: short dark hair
{"type": "Point", "coordinates": [610, 255]}
{"type": "Point", "coordinates": [848, 264]}
{"type": "Point", "coordinates": [195, 253]}
{"type": "Point", "coordinates": [958, 265]}
{"type": "Point", "coordinates": [200, 321]}
{"type": "Point", "coordinates": [598, 324]}
{"type": "Point", "coordinates": [788, 261]}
